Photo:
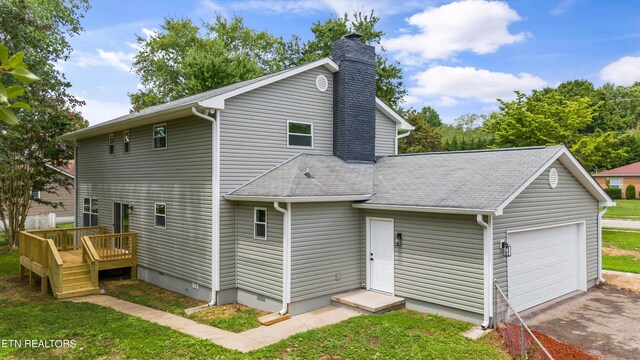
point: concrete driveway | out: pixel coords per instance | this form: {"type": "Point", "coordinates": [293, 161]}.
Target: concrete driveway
{"type": "Point", "coordinates": [604, 322]}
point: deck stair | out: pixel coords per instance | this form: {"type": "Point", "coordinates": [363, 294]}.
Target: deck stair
{"type": "Point", "coordinates": [69, 260]}
{"type": "Point", "coordinates": [368, 302]}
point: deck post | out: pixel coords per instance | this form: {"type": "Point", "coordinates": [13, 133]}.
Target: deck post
{"type": "Point", "coordinates": [21, 272]}
{"type": "Point", "coordinates": [44, 280]}
{"type": "Point", "coordinates": [32, 279]}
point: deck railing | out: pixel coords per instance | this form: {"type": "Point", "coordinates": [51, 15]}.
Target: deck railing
{"type": "Point", "coordinates": [43, 257]}
{"type": "Point", "coordinates": [114, 246]}
{"type": "Point", "coordinates": [68, 238]}
{"type": "Point", "coordinates": [91, 257]}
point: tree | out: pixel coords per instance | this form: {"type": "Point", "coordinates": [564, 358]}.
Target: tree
{"type": "Point", "coordinates": [431, 116]}
{"type": "Point", "coordinates": [425, 138]}
{"type": "Point", "coordinates": [178, 61]}
{"type": "Point", "coordinates": [40, 29]}
{"type": "Point", "coordinates": [14, 66]}
{"type": "Point", "coordinates": [467, 121]}
{"type": "Point", "coordinates": [598, 151]}
{"type": "Point", "coordinates": [540, 119]}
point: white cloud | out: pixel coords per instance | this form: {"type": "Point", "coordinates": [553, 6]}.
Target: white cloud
{"type": "Point", "coordinates": [562, 7]}
{"type": "Point", "coordinates": [446, 101]}
{"type": "Point", "coordinates": [624, 71]}
{"type": "Point", "coordinates": [117, 59]}
{"type": "Point", "coordinates": [450, 84]}
{"type": "Point", "coordinates": [97, 111]}
{"type": "Point", "coordinates": [473, 25]}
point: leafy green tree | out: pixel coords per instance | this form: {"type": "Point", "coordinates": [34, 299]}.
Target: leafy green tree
{"type": "Point", "coordinates": [41, 30]}
{"type": "Point", "coordinates": [598, 151]}
{"type": "Point", "coordinates": [178, 61]}
{"type": "Point", "coordinates": [431, 116]}
{"type": "Point", "coordinates": [14, 66]}
{"type": "Point", "coordinates": [549, 119]}
{"type": "Point", "coordinates": [425, 138]}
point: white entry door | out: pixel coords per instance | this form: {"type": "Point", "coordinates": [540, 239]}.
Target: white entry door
{"type": "Point", "coordinates": [380, 254]}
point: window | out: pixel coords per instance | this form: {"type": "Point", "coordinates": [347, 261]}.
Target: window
{"type": "Point", "coordinates": [615, 183]}
{"type": "Point", "coordinates": [300, 134]}
{"type": "Point", "coordinates": [260, 223]}
{"type": "Point", "coordinates": [126, 141]}
{"type": "Point", "coordinates": [160, 136]}
{"type": "Point", "coordinates": [160, 215]}
{"type": "Point", "coordinates": [89, 212]}
{"type": "Point", "coordinates": [112, 142]}
{"type": "Point", "coordinates": [35, 195]}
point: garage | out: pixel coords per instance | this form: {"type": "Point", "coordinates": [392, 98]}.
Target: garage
{"type": "Point", "coordinates": [546, 263]}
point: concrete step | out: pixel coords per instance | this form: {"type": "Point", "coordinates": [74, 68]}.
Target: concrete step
{"type": "Point", "coordinates": [273, 318]}
{"type": "Point", "coordinates": [368, 302]}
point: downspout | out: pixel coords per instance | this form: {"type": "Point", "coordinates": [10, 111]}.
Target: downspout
{"type": "Point", "coordinates": [286, 256]}
{"type": "Point", "coordinates": [215, 202]}
{"type": "Point", "coordinates": [601, 280]}
{"type": "Point", "coordinates": [487, 228]}
{"type": "Point", "coordinates": [75, 184]}
{"type": "Point", "coordinates": [400, 136]}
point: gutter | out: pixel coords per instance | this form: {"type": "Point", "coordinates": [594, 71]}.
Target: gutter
{"type": "Point", "coordinates": [215, 202]}
{"type": "Point", "coordinates": [487, 228]}
{"type": "Point", "coordinates": [600, 279]}
{"type": "Point", "coordinates": [286, 256]}
{"type": "Point", "coordinates": [400, 136]}
{"type": "Point", "coordinates": [426, 209]}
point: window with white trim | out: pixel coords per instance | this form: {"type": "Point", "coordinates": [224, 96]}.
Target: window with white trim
{"type": "Point", "coordinates": [160, 215]}
{"type": "Point", "coordinates": [299, 134]}
{"type": "Point", "coordinates": [260, 223]}
{"type": "Point", "coordinates": [112, 143]}
{"type": "Point", "coordinates": [125, 138]}
{"type": "Point", "coordinates": [35, 195]}
{"type": "Point", "coordinates": [615, 183]}
{"type": "Point", "coordinates": [160, 136]}
{"type": "Point", "coordinates": [89, 212]}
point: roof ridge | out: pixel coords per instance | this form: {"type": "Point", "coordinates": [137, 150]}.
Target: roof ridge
{"type": "Point", "coordinates": [266, 172]}
{"type": "Point", "coordinates": [524, 148]}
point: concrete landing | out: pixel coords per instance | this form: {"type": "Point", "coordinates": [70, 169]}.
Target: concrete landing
{"type": "Point", "coordinates": [369, 301]}
{"type": "Point", "coordinates": [476, 333]}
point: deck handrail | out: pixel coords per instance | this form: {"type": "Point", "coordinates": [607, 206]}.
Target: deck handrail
{"type": "Point", "coordinates": [68, 238]}
{"type": "Point", "coordinates": [115, 246]}
{"type": "Point", "coordinates": [44, 253]}
{"type": "Point", "coordinates": [91, 257]}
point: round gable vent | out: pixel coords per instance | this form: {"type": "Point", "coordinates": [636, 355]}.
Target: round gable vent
{"type": "Point", "coordinates": [553, 178]}
{"type": "Point", "coordinates": [322, 83]}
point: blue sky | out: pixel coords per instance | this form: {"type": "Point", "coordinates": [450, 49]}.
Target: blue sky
{"type": "Point", "coordinates": [457, 56]}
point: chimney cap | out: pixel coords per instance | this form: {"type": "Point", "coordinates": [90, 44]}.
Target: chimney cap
{"type": "Point", "coordinates": [353, 36]}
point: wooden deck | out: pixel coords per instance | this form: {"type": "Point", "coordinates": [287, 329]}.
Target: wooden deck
{"type": "Point", "coordinates": [69, 260]}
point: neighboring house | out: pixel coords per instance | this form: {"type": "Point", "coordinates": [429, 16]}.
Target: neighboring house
{"type": "Point", "coordinates": [64, 213]}
{"type": "Point", "coordinates": [281, 191]}
{"type": "Point", "coordinates": [620, 177]}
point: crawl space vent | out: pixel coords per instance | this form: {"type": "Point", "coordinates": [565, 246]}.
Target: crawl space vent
{"type": "Point", "coordinates": [322, 83]}
{"type": "Point", "coordinates": [553, 178]}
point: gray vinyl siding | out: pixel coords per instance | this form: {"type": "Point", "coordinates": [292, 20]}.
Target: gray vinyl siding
{"type": "Point", "coordinates": [385, 135]}
{"type": "Point", "coordinates": [259, 261]}
{"type": "Point", "coordinates": [440, 260]}
{"type": "Point", "coordinates": [253, 132]}
{"type": "Point", "coordinates": [179, 176]}
{"type": "Point", "coordinates": [538, 206]}
{"type": "Point", "coordinates": [326, 249]}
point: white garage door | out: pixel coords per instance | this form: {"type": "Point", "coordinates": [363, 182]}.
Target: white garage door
{"type": "Point", "coordinates": [545, 264]}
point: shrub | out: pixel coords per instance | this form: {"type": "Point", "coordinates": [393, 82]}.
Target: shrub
{"type": "Point", "coordinates": [614, 193]}
{"type": "Point", "coordinates": [630, 192]}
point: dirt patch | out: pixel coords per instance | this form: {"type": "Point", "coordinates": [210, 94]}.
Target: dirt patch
{"type": "Point", "coordinates": [219, 311]}
{"type": "Point", "coordinates": [623, 281]}
{"type": "Point", "coordinates": [620, 252]}
{"type": "Point", "coordinates": [511, 336]}
{"type": "Point", "coordinates": [330, 357]}
{"type": "Point", "coordinates": [13, 290]}
{"type": "Point", "coordinates": [374, 341]}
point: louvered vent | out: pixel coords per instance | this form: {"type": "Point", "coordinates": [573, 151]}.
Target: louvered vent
{"type": "Point", "coordinates": [553, 178]}
{"type": "Point", "coordinates": [322, 83]}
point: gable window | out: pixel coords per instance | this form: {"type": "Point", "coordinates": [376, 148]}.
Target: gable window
{"type": "Point", "coordinates": [160, 215]}
{"type": "Point", "coordinates": [89, 212]}
{"type": "Point", "coordinates": [112, 142]}
{"type": "Point", "coordinates": [615, 183]}
{"type": "Point", "coordinates": [299, 134]}
{"type": "Point", "coordinates": [260, 223]}
{"type": "Point", "coordinates": [126, 141]}
{"type": "Point", "coordinates": [160, 136]}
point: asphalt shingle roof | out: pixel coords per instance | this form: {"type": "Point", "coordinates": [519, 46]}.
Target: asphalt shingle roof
{"type": "Point", "coordinates": [462, 180]}
{"type": "Point", "coordinates": [631, 169]}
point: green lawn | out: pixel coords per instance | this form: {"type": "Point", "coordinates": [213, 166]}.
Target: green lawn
{"type": "Point", "coordinates": [104, 333]}
{"type": "Point", "coordinates": [624, 209]}
{"type": "Point", "coordinates": [621, 250]}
